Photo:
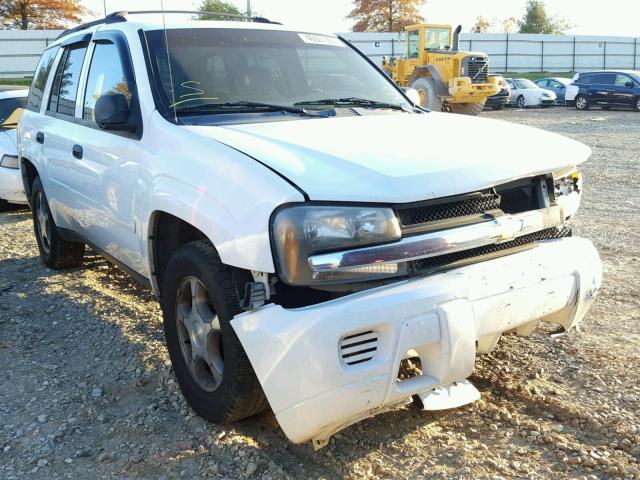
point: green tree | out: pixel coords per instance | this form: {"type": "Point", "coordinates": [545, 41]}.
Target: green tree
{"type": "Point", "coordinates": [537, 20]}
{"type": "Point", "coordinates": [385, 15]}
{"type": "Point", "coordinates": [218, 6]}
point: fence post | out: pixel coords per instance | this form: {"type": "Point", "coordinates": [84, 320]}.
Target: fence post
{"type": "Point", "coordinates": [635, 51]}
{"type": "Point", "coordinates": [573, 65]}
{"type": "Point", "coordinates": [506, 55]}
{"type": "Point", "coordinates": [393, 50]}
{"type": "Point", "coordinates": [542, 56]}
{"type": "Point", "coordinates": [604, 67]}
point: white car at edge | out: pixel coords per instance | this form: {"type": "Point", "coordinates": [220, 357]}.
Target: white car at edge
{"type": "Point", "coordinates": [247, 173]}
{"type": "Point", "coordinates": [12, 101]}
{"type": "Point", "coordinates": [524, 93]}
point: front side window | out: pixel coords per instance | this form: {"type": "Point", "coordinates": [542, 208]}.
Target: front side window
{"type": "Point", "coordinates": [213, 70]}
{"type": "Point", "coordinates": [437, 39]}
{"type": "Point", "coordinates": [10, 110]}
{"type": "Point", "coordinates": [413, 43]}
{"type": "Point", "coordinates": [623, 80]}
{"type": "Point", "coordinates": [40, 77]}
{"type": "Point", "coordinates": [106, 76]}
{"type": "Point", "coordinates": [63, 97]}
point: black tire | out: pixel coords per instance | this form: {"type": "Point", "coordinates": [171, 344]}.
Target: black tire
{"type": "Point", "coordinates": [467, 108]}
{"type": "Point", "coordinates": [5, 206]}
{"type": "Point", "coordinates": [582, 103]}
{"type": "Point", "coordinates": [636, 104]}
{"type": "Point", "coordinates": [426, 87]}
{"type": "Point", "coordinates": [55, 252]}
{"type": "Point", "coordinates": [238, 394]}
{"type": "Point", "coordinates": [521, 102]}
{"type": "Point", "coordinates": [498, 107]}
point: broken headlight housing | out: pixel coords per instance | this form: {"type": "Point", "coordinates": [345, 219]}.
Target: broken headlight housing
{"type": "Point", "coordinates": [567, 187]}
{"type": "Point", "coordinates": [303, 230]}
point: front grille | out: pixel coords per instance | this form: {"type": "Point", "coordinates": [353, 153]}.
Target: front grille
{"type": "Point", "coordinates": [515, 197]}
{"type": "Point", "coordinates": [432, 263]}
{"type": "Point", "coordinates": [425, 213]}
{"type": "Point", "coordinates": [359, 347]}
{"type": "Point", "coordinates": [478, 70]}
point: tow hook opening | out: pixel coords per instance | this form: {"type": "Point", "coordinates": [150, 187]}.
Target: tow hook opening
{"type": "Point", "coordinates": [410, 366]}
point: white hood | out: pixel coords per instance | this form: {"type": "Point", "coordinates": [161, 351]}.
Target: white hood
{"type": "Point", "coordinates": [398, 158]}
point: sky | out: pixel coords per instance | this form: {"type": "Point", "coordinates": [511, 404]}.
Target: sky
{"type": "Point", "coordinates": [618, 17]}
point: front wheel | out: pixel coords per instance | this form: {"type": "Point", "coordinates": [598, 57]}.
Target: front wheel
{"type": "Point", "coordinates": [498, 107]}
{"type": "Point", "coordinates": [55, 252]}
{"type": "Point", "coordinates": [198, 303]}
{"type": "Point", "coordinates": [636, 104]}
{"type": "Point", "coordinates": [426, 87]}
{"type": "Point", "coordinates": [582, 103]}
{"type": "Point", "coordinates": [521, 102]}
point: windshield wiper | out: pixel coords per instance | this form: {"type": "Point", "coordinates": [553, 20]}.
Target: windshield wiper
{"type": "Point", "coordinates": [354, 102]}
{"type": "Point", "coordinates": [228, 106]}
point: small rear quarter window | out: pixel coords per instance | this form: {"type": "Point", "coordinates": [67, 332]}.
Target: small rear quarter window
{"type": "Point", "coordinates": [36, 92]}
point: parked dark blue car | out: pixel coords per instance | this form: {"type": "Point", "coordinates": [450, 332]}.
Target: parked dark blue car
{"type": "Point", "coordinates": [605, 89]}
{"type": "Point", "coordinates": [557, 85]}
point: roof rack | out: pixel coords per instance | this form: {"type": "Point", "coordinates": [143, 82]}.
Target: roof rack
{"type": "Point", "coordinates": [117, 17]}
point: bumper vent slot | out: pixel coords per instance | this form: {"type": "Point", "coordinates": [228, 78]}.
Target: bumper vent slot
{"type": "Point", "coordinates": [359, 348]}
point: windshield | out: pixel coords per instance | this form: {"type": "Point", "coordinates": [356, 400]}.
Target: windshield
{"type": "Point", "coordinates": [437, 38]}
{"type": "Point", "coordinates": [10, 111]}
{"type": "Point", "coordinates": [241, 68]}
{"type": "Point", "coordinates": [524, 83]}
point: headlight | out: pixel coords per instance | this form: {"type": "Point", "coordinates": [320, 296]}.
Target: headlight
{"type": "Point", "coordinates": [300, 231]}
{"type": "Point", "coordinates": [9, 161]}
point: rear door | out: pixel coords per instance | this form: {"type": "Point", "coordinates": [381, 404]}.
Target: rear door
{"type": "Point", "coordinates": [601, 90]}
{"type": "Point", "coordinates": [58, 133]}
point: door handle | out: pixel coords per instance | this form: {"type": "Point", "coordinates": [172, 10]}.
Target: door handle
{"type": "Point", "coordinates": [77, 151]}
{"type": "Point", "coordinates": [40, 137]}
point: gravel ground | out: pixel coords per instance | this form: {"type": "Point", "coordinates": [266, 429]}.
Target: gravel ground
{"type": "Point", "coordinates": [89, 391]}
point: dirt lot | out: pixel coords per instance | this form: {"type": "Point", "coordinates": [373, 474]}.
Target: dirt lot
{"type": "Point", "coordinates": [87, 390]}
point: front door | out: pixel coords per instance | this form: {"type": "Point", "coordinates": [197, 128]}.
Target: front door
{"type": "Point", "coordinates": [623, 91]}
{"type": "Point", "coordinates": [106, 169]}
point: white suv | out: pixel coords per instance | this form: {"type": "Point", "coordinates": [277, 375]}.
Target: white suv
{"type": "Point", "coordinates": [308, 230]}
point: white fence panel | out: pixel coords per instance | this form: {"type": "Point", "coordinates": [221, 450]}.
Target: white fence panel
{"type": "Point", "coordinates": [20, 50]}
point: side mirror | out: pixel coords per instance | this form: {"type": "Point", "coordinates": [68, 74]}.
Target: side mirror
{"type": "Point", "coordinates": [112, 112]}
{"type": "Point", "coordinates": [413, 95]}
{"type": "Point", "coordinates": [629, 85]}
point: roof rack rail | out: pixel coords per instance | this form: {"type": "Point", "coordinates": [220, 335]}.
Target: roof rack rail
{"type": "Point", "coordinates": [117, 17]}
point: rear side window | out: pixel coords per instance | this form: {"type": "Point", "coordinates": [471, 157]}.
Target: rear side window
{"type": "Point", "coordinates": [585, 79]}
{"type": "Point", "coordinates": [43, 69]}
{"type": "Point", "coordinates": [10, 109]}
{"type": "Point", "coordinates": [604, 78]}
{"type": "Point", "coordinates": [106, 76]}
{"type": "Point", "coordinates": [65, 90]}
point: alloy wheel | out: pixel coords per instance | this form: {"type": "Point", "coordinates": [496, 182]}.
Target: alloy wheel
{"type": "Point", "coordinates": [199, 334]}
{"type": "Point", "coordinates": [44, 225]}
{"type": "Point", "coordinates": [581, 103]}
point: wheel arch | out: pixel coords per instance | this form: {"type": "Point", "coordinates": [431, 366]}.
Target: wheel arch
{"type": "Point", "coordinates": [29, 172]}
{"type": "Point", "coordinates": [442, 89]}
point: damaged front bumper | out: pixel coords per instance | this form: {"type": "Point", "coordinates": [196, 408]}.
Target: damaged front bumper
{"type": "Point", "coordinates": [327, 366]}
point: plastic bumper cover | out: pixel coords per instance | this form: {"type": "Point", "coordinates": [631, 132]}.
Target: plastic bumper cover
{"type": "Point", "coordinates": [314, 392]}
{"type": "Point", "coordinates": [11, 188]}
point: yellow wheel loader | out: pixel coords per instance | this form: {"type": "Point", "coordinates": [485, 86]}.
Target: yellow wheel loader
{"type": "Point", "coordinates": [446, 79]}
